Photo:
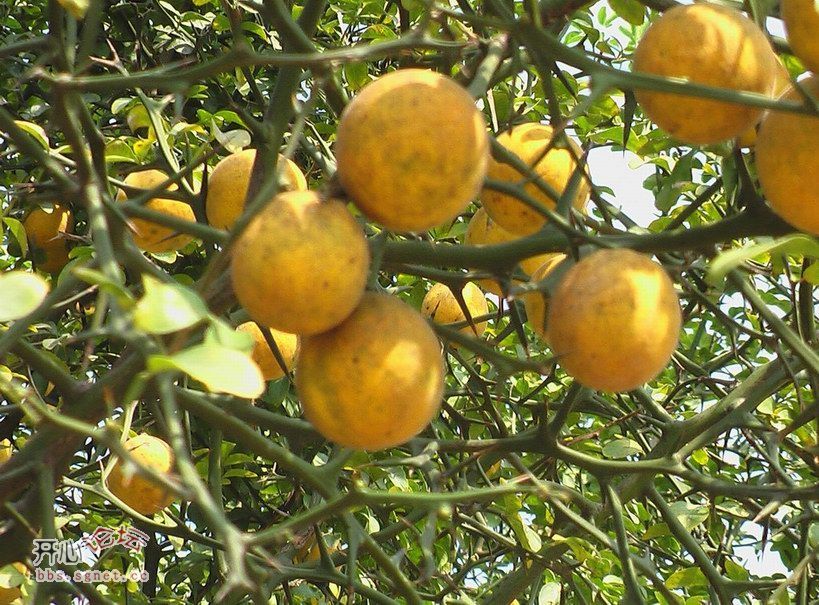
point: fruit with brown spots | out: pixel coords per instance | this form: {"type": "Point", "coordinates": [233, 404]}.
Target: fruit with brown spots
{"type": "Point", "coordinates": [442, 307]}
{"type": "Point", "coordinates": [142, 493]}
{"type": "Point", "coordinates": [45, 226]}
{"type": "Point", "coordinates": [301, 264]}
{"type": "Point", "coordinates": [554, 162]}
{"type": "Point", "coordinates": [614, 320]}
{"type": "Point", "coordinates": [148, 235]}
{"type": "Point", "coordinates": [412, 150]}
{"type": "Point", "coordinates": [374, 381]}
{"type": "Point", "coordinates": [287, 344]}
{"type": "Point", "coordinates": [711, 45]}
{"type": "Point", "coordinates": [229, 182]}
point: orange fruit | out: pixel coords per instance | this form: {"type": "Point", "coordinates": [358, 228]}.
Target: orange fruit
{"type": "Point", "coordinates": [704, 44]}
{"type": "Point", "coordinates": [537, 303]}
{"type": "Point", "coordinates": [44, 227]}
{"type": "Point", "coordinates": [262, 354]}
{"type": "Point", "coordinates": [614, 320]}
{"type": "Point", "coordinates": [301, 264]}
{"type": "Point", "coordinates": [139, 492]}
{"type": "Point", "coordinates": [787, 149]}
{"type": "Point", "coordinates": [375, 380]}
{"type": "Point", "coordinates": [412, 150]}
{"type": "Point", "coordinates": [554, 165]}
{"type": "Point", "coordinates": [148, 235]}
{"type": "Point", "coordinates": [229, 182]}
{"type": "Point", "coordinates": [441, 306]}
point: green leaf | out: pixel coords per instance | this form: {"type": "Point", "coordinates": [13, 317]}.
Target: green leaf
{"type": "Point", "coordinates": [790, 244]}
{"type": "Point", "coordinates": [700, 457]}
{"type": "Point", "coordinates": [736, 572]}
{"type": "Point", "coordinates": [167, 307]}
{"type": "Point", "coordinates": [222, 333]}
{"type": "Point", "coordinates": [35, 131]}
{"type": "Point", "coordinates": [631, 10]}
{"type": "Point", "coordinates": [19, 233]}
{"type": "Point", "coordinates": [233, 140]}
{"type": "Point", "coordinates": [549, 594]}
{"type": "Point", "coordinates": [690, 515]}
{"type": "Point", "coordinates": [10, 577]}
{"type": "Point", "coordinates": [656, 531]}
{"type": "Point", "coordinates": [686, 578]}
{"type": "Point", "coordinates": [811, 274]}
{"type": "Point", "coordinates": [356, 75]}
{"type": "Point", "coordinates": [97, 278]}
{"type": "Point", "coordinates": [621, 448]}
{"type": "Point", "coordinates": [220, 369]}
{"type": "Point", "coordinates": [22, 293]}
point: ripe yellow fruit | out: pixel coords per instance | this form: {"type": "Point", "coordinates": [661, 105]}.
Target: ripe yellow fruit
{"type": "Point", "coordinates": [782, 82]}
{"type": "Point", "coordinates": [44, 226]}
{"type": "Point", "coordinates": [230, 179]}
{"type": "Point", "coordinates": [711, 45]}
{"type": "Point", "coordinates": [614, 320]}
{"type": "Point", "coordinates": [441, 306]}
{"type": "Point", "coordinates": [801, 19]}
{"type": "Point", "coordinates": [9, 595]}
{"type": "Point", "coordinates": [555, 168]}
{"type": "Point", "coordinates": [150, 236]}
{"type": "Point", "coordinates": [537, 303]}
{"type": "Point", "coordinates": [287, 344]}
{"type": "Point", "coordinates": [483, 231]}
{"type": "Point", "coordinates": [787, 159]}
{"type": "Point", "coordinates": [376, 380]}
{"type": "Point", "coordinates": [301, 264]}
{"type": "Point", "coordinates": [412, 150]}
{"type": "Point", "coordinates": [142, 493]}
{"type": "Point", "coordinates": [5, 450]}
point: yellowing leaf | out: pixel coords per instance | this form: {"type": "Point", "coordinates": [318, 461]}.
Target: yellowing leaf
{"type": "Point", "coordinates": [167, 307]}
{"type": "Point", "coordinates": [220, 369]}
{"type": "Point", "coordinates": [20, 294]}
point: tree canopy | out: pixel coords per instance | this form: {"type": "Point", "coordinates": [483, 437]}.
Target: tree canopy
{"type": "Point", "coordinates": [527, 487]}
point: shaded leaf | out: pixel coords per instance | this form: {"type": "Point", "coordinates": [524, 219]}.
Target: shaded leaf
{"type": "Point", "coordinates": [621, 448]}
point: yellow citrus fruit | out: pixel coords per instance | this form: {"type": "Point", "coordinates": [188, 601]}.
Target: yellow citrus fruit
{"type": "Point", "coordinates": [614, 320]}
{"type": "Point", "coordinates": [711, 45]}
{"type": "Point", "coordinates": [801, 19]}
{"type": "Point", "coordinates": [441, 306]}
{"type": "Point", "coordinates": [483, 231]}
{"type": "Point", "coordinates": [537, 303]}
{"type": "Point", "coordinates": [787, 149]}
{"type": "Point", "coordinates": [9, 595]}
{"type": "Point", "coordinates": [230, 179]}
{"type": "Point", "coordinates": [412, 150]}
{"type": "Point", "coordinates": [262, 354]}
{"type": "Point", "coordinates": [374, 381]}
{"type": "Point", "coordinates": [5, 450]}
{"type": "Point", "coordinates": [782, 81]}
{"type": "Point", "coordinates": [142, 493]}
{"type": "Point", "coordinates": [553, 165]}
{"type": "Point", "coordinates": [44, 226]}
{"type": "Point", "coordinates": [150, 236]}
{"type": "Point", "coordinates": [301, 264]}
